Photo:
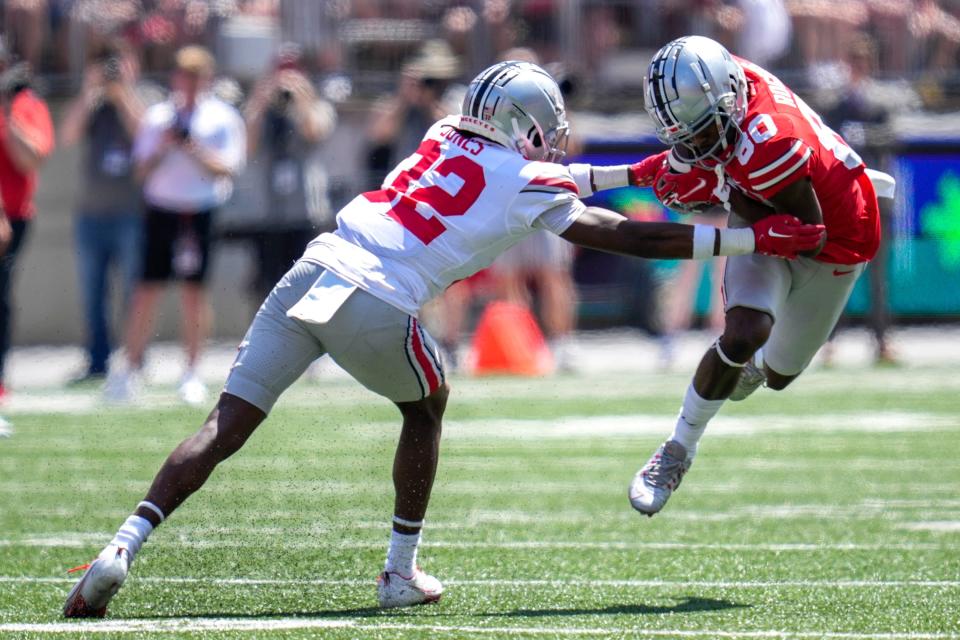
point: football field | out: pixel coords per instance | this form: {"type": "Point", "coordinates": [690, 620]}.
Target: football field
{"type": "Point", "coordinates": [829, 511]}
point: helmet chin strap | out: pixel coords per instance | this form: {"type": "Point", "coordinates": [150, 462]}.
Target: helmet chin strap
{"type": "Point", "coordinates": [721, 131]}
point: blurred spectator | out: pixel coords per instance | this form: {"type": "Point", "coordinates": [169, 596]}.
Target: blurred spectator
{"type": "Point", "coordinates": [934, 37]}
{"type": "Point", "coordinates": [936, 33]}
{"type": "Point", "coordinates": [25, 23]}
{"type": "Point", "coordinates": [764, 33]}
{"type": "Point", "coordinates": [888, 23]}
{"type": "Point", "coordinates": [399, 121]}
{"type": "Point", "coordinates": [313, 25]}
{"type": "Point", "coordinates": [681, 291]}
{"type": "Point", "coordinates": [106, 116]}
{"type": "Point", "coordinates": [26, 140]}
{"type": "Point", "coordinates": [542, 263]}
{"type": "Point", "coordinates": [601, 34]}
{"type": "Point", "coordinates": [446, 315]}
{"type": "Point", "coordinates": [821, 29]}
{"type": "Point", "coordinates": [187, 152]}
{"type": "Point", "coordinates": [286, 119]}
{"type": "Point", "coordinates": [538, 264]}
{"type": "Point", "coordinates": [862, 117]}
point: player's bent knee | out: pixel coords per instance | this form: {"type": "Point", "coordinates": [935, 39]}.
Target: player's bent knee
{"type": "Point", "coordinates": [746, 331]}
{"type": "Point", "coordinates": [739, 347]}
{"type": "Point", "coordinates": [429, 410]}
{"type": "Point", "coordinates": [437, 403]}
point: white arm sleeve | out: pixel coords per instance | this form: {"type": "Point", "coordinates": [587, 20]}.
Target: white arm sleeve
{"type": "Point", "coordinates": [558, 219]}
{"type": "Point", "coordinates": [581, 175]}
{"type": "Point", "coordinates": [587, 177]}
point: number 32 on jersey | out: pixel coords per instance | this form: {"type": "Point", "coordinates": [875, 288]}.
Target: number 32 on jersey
{"type": "Point", "coordinates": [441, 202]}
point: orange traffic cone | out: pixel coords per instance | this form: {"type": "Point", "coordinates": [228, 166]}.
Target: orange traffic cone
{"type": "Point", "coordinates": [508, 341]}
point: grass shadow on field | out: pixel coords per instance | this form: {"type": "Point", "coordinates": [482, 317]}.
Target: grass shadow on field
{"type": "Point", "coordinates": [687, 605]}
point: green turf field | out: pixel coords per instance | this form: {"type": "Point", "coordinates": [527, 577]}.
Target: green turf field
{"type": "Point", "coordinates": [829, 511]}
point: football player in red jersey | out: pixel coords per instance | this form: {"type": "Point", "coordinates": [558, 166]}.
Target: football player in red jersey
{"type": "Point", "coordinates": [740, 138]}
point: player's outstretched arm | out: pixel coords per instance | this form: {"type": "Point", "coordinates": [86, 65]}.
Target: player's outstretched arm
{"type": "Point", "coordinates": [593, 178]}
{"type": "Point", "coordinates": [782, 236]}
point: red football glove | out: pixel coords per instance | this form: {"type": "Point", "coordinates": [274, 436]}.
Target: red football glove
{"type": "Point", "coordinates": [681, 187]}
{"type": "Point", "coordinates": [784, 236]}
{"type": "Point", "coordinates": [644, 173]}
{"type": "Point", "coordinates": [690, 192]}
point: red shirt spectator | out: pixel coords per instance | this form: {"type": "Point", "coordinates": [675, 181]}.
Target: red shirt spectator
{"type": "Point", "coordinates": [29, 117]}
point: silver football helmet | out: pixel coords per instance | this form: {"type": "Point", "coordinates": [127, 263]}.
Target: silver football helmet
{"type": "Point", "coordinates": [518, 105]}
{"type": "Point", "coordinates": [696, 94]}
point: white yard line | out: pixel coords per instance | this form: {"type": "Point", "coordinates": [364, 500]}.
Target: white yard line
{"type": "Point", "coordinates": [646, 425]}
{"type": "Point", "coordinates": [938, 526]}
{"type": "Point", "coordinates": [180, 625]}
{"type": "Point", "coordinates": [653, 424]}
{"type": "Point", "coordinates": [513, 487]}
{"type": "Point", "coordinates": [911, 510]}
{"type": "Point", "coordinates": [662, 546]}
{"type": "Point", "coordinates": [179, 539]}
{"type": "Point", "coordinates": [510, 582]}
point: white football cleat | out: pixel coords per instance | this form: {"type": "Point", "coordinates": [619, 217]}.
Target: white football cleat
{"type": "Point", "coordinates": [192, 390]}
{"type": "Point", "coordinates": [655, 483]}
{"type": "Point", "coordinates": [394, 590]}
{"type": "Point", "coordinates": [6, 428]}
{"type": "Point", "coordinates": [104, 576]}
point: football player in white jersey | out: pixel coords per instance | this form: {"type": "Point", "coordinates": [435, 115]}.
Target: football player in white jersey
{"type": "Point", "coordinates": [478, 183]}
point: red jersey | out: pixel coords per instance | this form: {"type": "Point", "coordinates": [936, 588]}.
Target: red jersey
{"type": "Point", "coordinates": [31, 115]}
{"type": "Point", "coordinates": [783, 141]}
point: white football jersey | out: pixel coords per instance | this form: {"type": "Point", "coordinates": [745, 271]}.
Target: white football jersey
{"type": "Point", "coordinates": [443, 214]}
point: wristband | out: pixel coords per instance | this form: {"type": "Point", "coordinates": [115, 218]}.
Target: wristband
{"type": "Point", "coordinates": [611, 177]}
{"type": "Point", "coordinates": [591, 179]}
{"type": "Point", "coordinates": [704, 237]}
{"type": "Point", "coordinates": [581, 175]}
{"type": "Point", "coordinates": [736, 242]}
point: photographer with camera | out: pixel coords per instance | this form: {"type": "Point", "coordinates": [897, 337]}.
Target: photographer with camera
{"type": "Point", "coordinates": [398, 121]}
{"type": "Point", "coordinates": [286, 120]}
{"type": "Point", "coordinates": [186, 153]}
{"type": "Point", "coordinates": [105, 116]}
{"type": "Point", "coordinates": [26, 140]}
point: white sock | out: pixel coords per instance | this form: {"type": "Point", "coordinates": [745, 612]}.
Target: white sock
{"type": "Point", "coordinates": [132, 534]}
{"type": "Point", "coordinates": [694, 416]}
{"type": "Point", "coordinates": [402, 554]}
